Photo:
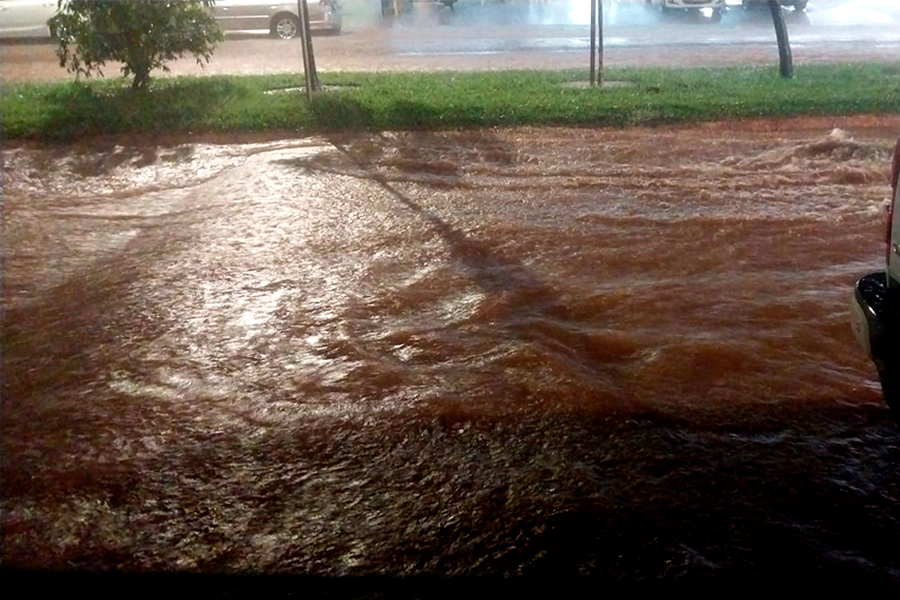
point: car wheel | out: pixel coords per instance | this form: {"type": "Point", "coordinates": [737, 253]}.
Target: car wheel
{"type": "Point", "coordinates": [716, 15]}
{"type": "Point", "coordinates": [286, 26]}
{"type": "Point", "coordinates": [800, 4]}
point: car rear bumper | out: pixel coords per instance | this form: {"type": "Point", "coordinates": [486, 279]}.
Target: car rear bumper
{"type": "Point", "coordinates": [875, 317]}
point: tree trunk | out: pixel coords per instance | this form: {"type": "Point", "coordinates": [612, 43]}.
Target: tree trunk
{"type": "Point", "coordinates": [785, 60]}
{"type": "Point", "coordinates": [141, 81]}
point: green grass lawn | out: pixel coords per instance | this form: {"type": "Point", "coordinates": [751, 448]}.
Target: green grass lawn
{"type": "Point", "coordinates": [377, 101]}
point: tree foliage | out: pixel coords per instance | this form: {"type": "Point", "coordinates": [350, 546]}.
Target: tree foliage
{"type": "Point", "coordinates": [141, 34]}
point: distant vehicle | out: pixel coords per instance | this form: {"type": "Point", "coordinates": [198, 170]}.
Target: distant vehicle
{"type": "Point", "coordinates": [797, 4]}
{"type": "Point", "coordinates": [876, 304]}
{"type": "Point", "coordinates": [715, 7]}
{"type": "Point", "coordinates": [26, 18]}
{"type": "Point", "coordinates": [280, 19]}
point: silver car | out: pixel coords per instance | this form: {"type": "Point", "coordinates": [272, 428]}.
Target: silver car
{"type": "Point", "coordinates": [278, 18]}
{"type": "Point", "coordinates": [26, 18]}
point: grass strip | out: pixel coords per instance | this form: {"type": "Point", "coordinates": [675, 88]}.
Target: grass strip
{"type": "Point", "coordinates": [382, 101]}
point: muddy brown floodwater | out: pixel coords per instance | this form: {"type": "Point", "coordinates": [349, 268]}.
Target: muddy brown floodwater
{"type": "Point", "coordinates": [566, 352]}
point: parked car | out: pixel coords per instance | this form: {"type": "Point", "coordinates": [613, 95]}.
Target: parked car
{"type": "Point", "coordinates": [876, 304]}
{"type": "Point", "coordinates": [26, 18]}
{"type": "Point", "coordinates": [715, 6]}
{"type": "Point", "coordinates": [280, 19]}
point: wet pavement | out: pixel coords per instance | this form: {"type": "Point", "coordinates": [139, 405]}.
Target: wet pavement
{"type": "Point", "coordinates": [536, 352]}
{"type": "Point", "coordinates": [545, 35]}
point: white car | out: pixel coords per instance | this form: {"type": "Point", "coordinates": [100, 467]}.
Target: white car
{"type": "Point", "coordinates": [26, 18]}
{"type": "Point", "coordinates": [876, 304]}
{"type": "Point", "coordinates": [714, 6]}
{"type": "Point", "coordinates": [278, 18]}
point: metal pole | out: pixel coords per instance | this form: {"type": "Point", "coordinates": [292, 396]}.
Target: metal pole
{"type": "Point", "coordinates": [314, 73]}
{"type": "Point", "coordinates": [593, 41]}
{"type": "Point", "coordinates": [307, 72]}
{"type": "Point", "coordinates": [600, 43]}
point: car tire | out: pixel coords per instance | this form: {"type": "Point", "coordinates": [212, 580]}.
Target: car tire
{"type": "Point", "coordinates": [716, 15]}
{"type": "Point", "coordinates": [286, 26]}
{"type": "Point", "coordinates": [800, 4]}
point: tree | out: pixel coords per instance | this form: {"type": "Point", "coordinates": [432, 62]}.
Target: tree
{"type": "Point", "coordinates": [142, 34]}
{"type": "Point", "coordinates": [785, 59]}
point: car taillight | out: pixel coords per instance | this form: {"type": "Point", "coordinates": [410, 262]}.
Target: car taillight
{"type": "Point", "coordinates": [895, 172]}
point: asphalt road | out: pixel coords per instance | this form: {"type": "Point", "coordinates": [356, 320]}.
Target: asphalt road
{"type": "Point", "coordinates": [535, 35]}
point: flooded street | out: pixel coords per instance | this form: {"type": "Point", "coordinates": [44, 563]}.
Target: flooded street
{"type": "Point", "coordinates": [567, 352]}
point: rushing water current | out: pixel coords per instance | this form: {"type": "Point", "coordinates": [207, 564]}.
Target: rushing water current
{"type": "Point", "coordinates": [570, 351]}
